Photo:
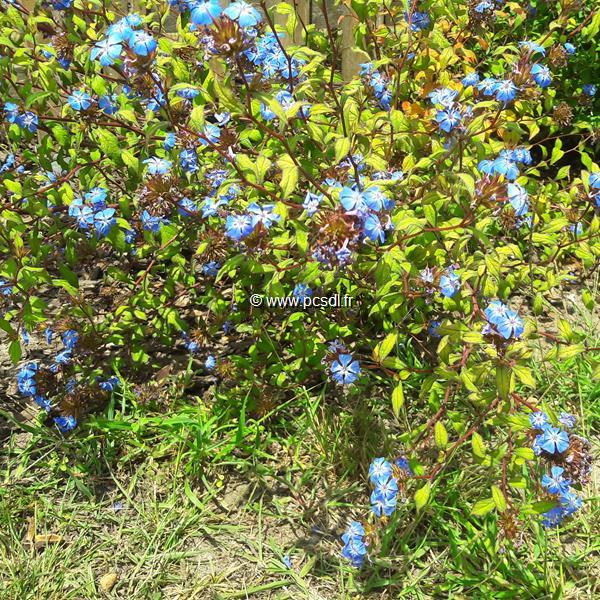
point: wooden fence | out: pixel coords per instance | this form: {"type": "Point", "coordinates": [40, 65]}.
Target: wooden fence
{"type": "Point", "coordinates": [341, 19]}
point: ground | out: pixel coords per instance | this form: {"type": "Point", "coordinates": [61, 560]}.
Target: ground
{"type": "Point", "coordinates": [176, 503]}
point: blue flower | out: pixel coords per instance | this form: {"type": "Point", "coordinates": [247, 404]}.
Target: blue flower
{"type": "Point", "coordinates": [238, 227]}
{"type": "Point", "coordinates": [449, 283]}
{"type": "Point", "coordinates": [142, 43]}
{"type": "Point", "coordinates": [567, 420]}
{"type": "Point", "coordinates": [211, 268]}
{"type": "Point", "coordinates": [495, 311]}
{"type": "Point", "coordinates": [242, 12]}
{"type": "Point", "coordinates": [487, 86]}
{"type": "Point", "coordinates": [484, 7]}
{"type": "Point", "coordinates": [65, 424]}
{"type": "Point", "coordinates": [26, 385]}
{"type": "Point", "coordinates": [570, 49]}
{"type": "Point", "coordinates": [470, 79]}
{"type": "Point", "coordinates": [448, 119]}
{"type": "Point", "coordinates": [532, 47]}
{"type": "Point", "coordinates": [6, 289]}
{"type": "Point", "coordinates": [433, 329]}
{"type": "Point", "coordinates": [106, 51]}
{"type": "Point", "coordinates": [576, 228]}
{"type": "Point", "coordinates": [383, 505]}
{"type": "Point", "coordinates": [311, 203]}
{"type": "Point", "coordinates": [554, 440]}
{"type": "Point", "coordinates": [355, 549]}
{"type": "Point", "coordinates": [211, 133]}
{"type": "Point", "coordinates": [373, 229]}
{"type": "Point", "coordinates": [345, 369]}
{"type": "Point", "coordinates": [518, 198]}
{"type": "Point", "coordinates": [109, 384]}
{"type": "Point", "coordinates": [353, 200]}
{"type": "Point", "coordinates": [380, 470]}
{"type": "Point", "coordinates": [556, 483]}
{"type": "Point", "coordinates": [42, 402]}
{"type": "Point", "coordinates": [120, 31]}
{"type": "Point", "coordinates": [387, 488]}
{"type": "Point", "coordinates": [204, 13]}
{"type": "Point", "coordinates": [158, 166]}
{"type": "Point", "coordinates": [553, 518]}
{"type": "Point", "coordinates": [594, 180]}
{"type": "Point", "coordinates": [302, 291]}
{"type": "Point", "coordinates": [188, 160]}
{"type": "Point", "coordinates": [188, 93]}
{"type": "Point", "coordinates": [403, 464]}
{"type": "Point", "coordinates": [418, 20]}
{"type": "Point", "coordinates": [443, 96]}
{"type": "Point", "coordinates": [12, 112]}
{"type": "Point", "coordinates": [590, 89]}
{"type": "Point", "coordinates": [79, 100]}
{"type": "Point", "coordinates": [538, 419]}
{"type": "Point", "coordinates": [262, 214]}
{"type": "Point", "coordinates": [210, 363]}
{"type": "Point", "coordinates": [520, 155]}
{"type": "Point", "coordinates": [170, 141]}
{"type": "Point", "coordinates": [64, 357]}
{"type": "Point", "coordinates": [84, 217]}
{"type": "Point", "coordinates": [570, 503]}
{"type": "Point", "coordinates": [108, 104]}
{"type": "Point", "coordinates": [28, 120]}
{"type": "Point", "coordinates": [506, 91]}
{"type": "Point", "coordinates": [510, 325]}
{"type": "Point", "coordinates": [504, 165]}
{"type": "Point", "coordinates": [70, 338]}
{"type": "Point", "coordinates": [186, 207]}
{"type": "Point", "coordinates": [541, 75]}
{"type": "Point", "coordinates": [537, 444]}
{"type": "Point", "coordinates": [96, 197]}
{"type": "Point", "coordinates": [104, 220]}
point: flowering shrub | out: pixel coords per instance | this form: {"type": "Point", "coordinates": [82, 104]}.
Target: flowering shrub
{"type": "Point", "coordinates": [153, 181]}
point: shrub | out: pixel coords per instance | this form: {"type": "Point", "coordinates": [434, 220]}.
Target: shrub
{"type": "Point", "coordinates": [159, 187]}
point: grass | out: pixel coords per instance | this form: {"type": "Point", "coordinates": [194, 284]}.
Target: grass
{"type": "Point", "coordinates": [201, 500]}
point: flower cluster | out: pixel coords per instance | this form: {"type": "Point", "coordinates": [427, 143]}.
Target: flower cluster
{"type": "Point", "coordinates": [386, 479]}
{"type": "Point", "coordinates": [267, 54]}
{"type": "Point", "coordinates": [91, 210]}
{"type": "Point", "coordinates": [27, 120]}
{"type": "Point", "coordinates": [502, 321]}
{"type": "Point", "coordinates": [384, 497]}
{"type": "Point", "coordinates": [379, 83]}
{"type": "Point", "coordinates": [450, 113]}
{"type": "Point", "coordinates": [120, 34]}
{"type": "Point", "coordinates": [570, 462]}
{"type": "Point", "coordinates": [42, 382]}
{"type": "Point", "coordinates": [355, 548]}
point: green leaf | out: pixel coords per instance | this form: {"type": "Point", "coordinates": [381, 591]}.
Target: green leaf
{"type": "Point", "coordinates": [478, 445]}
{"type": "Point", "coordinates": [14, 351]}
{"type": "Point", "coordinates": [422, 495]}
{"type": "Point", "coordinates": [504, 381]}
{"type": "Point", "coordinates": [483, 507]}
{"type": "Point", "coordinates": [109, 144]}
{"type": "Point", "coordinates": [525, 453]}
{"type": "Point", "coordinates": [342, 148]}
{"type": "Point", "coordinates": [441, 435]}
{"type": "Point", "coordinates": [541, 507]}
{"type": "Point", "coordinates": [289, 175]}
{"type": "Point", "coordinates": [385, 347]}
{"type": "Point", "coordinates": [498, 498]}
{"type": "Point", "coordinates": [397, 398]}
{"type": "Point", "coordinates": [524, 375]}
